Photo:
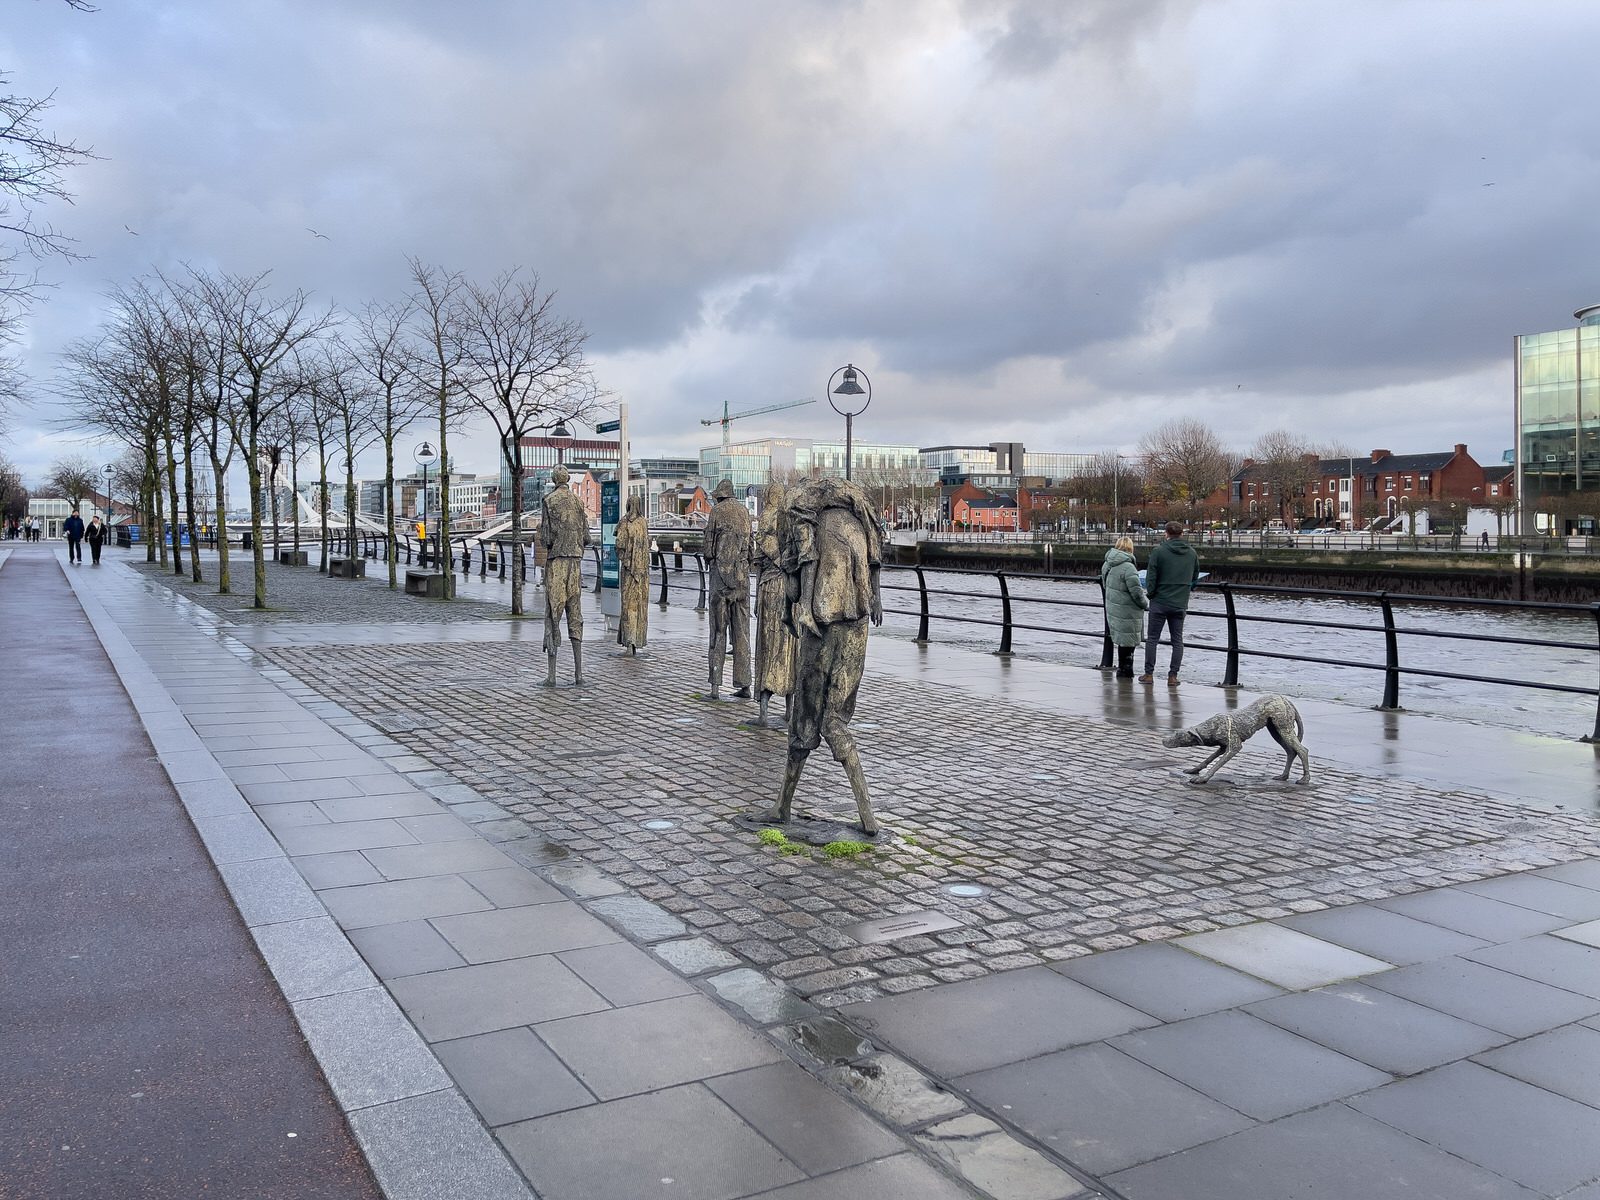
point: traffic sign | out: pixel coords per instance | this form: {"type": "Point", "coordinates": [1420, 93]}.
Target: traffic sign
{"type": "Point", "coordinates": [608, 426]}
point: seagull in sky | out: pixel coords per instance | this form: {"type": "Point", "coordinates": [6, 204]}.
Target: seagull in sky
{"type": "Point", "coordinates": [314, 233]}
{"type": "Point", "coordinates": [135, 232]}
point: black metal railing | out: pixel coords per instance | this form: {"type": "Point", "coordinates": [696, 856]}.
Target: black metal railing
{"type": "Point", "coordinates": [1234, 650]}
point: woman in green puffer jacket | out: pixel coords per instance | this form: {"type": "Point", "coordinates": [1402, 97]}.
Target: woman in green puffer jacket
{"type": "Point", "coordinates": [1125, 603]}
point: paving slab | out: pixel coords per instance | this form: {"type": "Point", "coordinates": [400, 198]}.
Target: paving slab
{"type": "Point", "coordinates": [964, 1027]}
{"type": "Point", "coordinates": [684, 1136]}
{"type": "Point", "coordinates": [813, 1127]}
{"type": "Point", "coordinates": [1583, 873]}
{"type": "Point", "coordinates": [435, 858]}
{"type": "Point", "coordinates": [1166, 982]}
{"type": "Point", "coordinates": [904, 1177]}
{"type": "Point", "coordinates": [512, 887]}
{"type": "Point", "coordinates": [346, 835]}
{"type": "Point", "coordinates": [1282, 956]}
{"type": "Point", "coordinates": [268, 890]}
{"type": "Point", "coordinates": [1383, 933]}
{"type": "Point", "coordinates": [1101, 1110]}
{"type": "Point", "coordinates": [1486, 996]}
{"type": "Point", "coordinates": [519, 932]}
{"type": "Point", "coordinates": [1377, 1028]}
{"type": "Point", "coordinates": [510, 1075]}
{"type": "Point", "coordinates": [1259, 1069]}
{"type": "Point", "coordinates": [1565, 1061]}
{"type": "Point", "coordinates": [463, 1001]}
{"type": "Point", "coordinates": [405, 948]}
{"type": "Point", "coordinates": [1587, 933]}
{"type": "Point", "coordinates": [1330, 1153]}
{"type": "Point", "coordinates": [1522, 1132]}
{"type": "Point", "coordinates": [342, 868]}
{"type": "Point", "coordinates": [624, 974]}
{"type": "Point", "coordinates": [654, 1045]}
{"type": "Point", "coordinates": [367, 904]}
{"type": "Point", "coordinates": [311, 958]}
{"type": "Point", "coordinates": [1540, 894]}
{"type": "Point", "coordinates": [1469, 913]}
{"type": "Point", "coordinates": [1556, 961]}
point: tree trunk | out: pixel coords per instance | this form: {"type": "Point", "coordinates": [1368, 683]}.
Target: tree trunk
{"type": "Point", "coordinates": [322, 504]}
{"type": "Point", "coordinates": [516, 534]}
{"type": "Point", "coordinates": [147, 502]}
{"type": "Point", "coordinates": [172, 494]}
{"type": "Point", "coordinates": [219, 477]}
{"type": "Point", "coordinates": [294, 493]}
{"type": "Point", "coordinates": [444, 502]}
{"type": "Point", "coordinates": [272, 486]}
{"type": "Point", "coordinates": [161, 515]}
{"type": "Point", "coordinates": [258, 557]}
{"type": "Point", "coordinates": [352, 546]}
{"type": "Point", "coordinates": [388, 506]}
{"type": "Point", "coordinates": [188, 501]}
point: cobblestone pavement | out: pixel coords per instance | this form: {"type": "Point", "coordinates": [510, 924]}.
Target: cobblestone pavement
{"type": "Point", "coordinates": [1081, 830]}
{"type": "Point", "coordinates": [305, 594]}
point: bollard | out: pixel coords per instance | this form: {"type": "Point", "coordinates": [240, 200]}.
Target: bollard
{"type": "Point", "coordinates": [922, 592]}
{"type": "Point", "coordinates": [1595, 736]}
{"type": "Point", "coordinates": [1230, 672]}
{"type": "Point", "coordinates": [1391, 666]}
{"type": "Point", "coordinates": [661, 557]}
{"type": "Point", "coordinates": [1108, 652]}
{"type": "Point", "coordinates": [1005, 615]}
{"type": "Point", "coordinates": [599, 572]}
{"type": "Point", "coordinates": [700, 604]}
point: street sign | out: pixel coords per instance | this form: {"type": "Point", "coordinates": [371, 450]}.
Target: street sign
{"type": "Point", "coordinates": [608, 426]}
{"type": "Point", "coordinates": [610, 514]}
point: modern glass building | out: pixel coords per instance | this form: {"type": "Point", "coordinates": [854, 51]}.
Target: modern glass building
{"type": "Point", "coordinates": [981, 463]}
{"type": "Point", "coordinates": [1558, 424]}
{"type": "Point", "coordinates": [751, 464]}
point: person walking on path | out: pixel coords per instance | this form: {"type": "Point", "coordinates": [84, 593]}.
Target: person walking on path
{"type": "Point", "coordinates": [1125, 603]}
{"type": "Point", "coordinates": [96, 537]}
{"type": "Point", "coordinates": [1170, 576]}
{"type": "Point", "coordinates": [73, 528]}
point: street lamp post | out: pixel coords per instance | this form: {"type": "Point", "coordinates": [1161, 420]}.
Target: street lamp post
{"type": "Point", "coordinates": [424, 456]}
{"type": "Point", "coordinates": [111, 516]}
{"type": "Point", "coordinates": [849, 387]}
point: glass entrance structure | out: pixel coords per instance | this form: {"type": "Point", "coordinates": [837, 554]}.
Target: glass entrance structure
{"type": "Point", "coordinates": [1558, 425]}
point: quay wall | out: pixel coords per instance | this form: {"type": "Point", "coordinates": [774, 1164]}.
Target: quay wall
{"type": "Point", "coordinates": [1484, 576]}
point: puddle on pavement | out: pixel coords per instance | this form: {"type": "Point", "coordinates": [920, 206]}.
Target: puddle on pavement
{"type": "Point", "coordinates": [827, 1039]}
{"type": "Point", "coordinates": [896, 1090]}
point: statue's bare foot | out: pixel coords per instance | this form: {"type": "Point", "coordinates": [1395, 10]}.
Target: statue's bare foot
{"type": "Point", "coordinates": [742, 693]}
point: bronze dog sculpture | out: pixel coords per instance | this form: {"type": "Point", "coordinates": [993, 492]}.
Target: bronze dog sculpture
{"type": "Point", "coordinates": [1229, 731]}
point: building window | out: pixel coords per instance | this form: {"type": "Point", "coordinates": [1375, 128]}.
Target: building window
{"type": "Point", "coordinates": [1494, 489]}
{"type": "Point", "coordinates": [1389, 484]}
{"type": "Point", "coordinates": [1408, 482]}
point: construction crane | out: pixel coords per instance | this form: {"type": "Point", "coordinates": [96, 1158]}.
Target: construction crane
{"type": "Point", "coordinates": [727, 418]}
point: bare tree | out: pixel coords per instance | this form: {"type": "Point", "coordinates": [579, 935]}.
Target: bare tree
{"type": "Point", "coordinates": [1185, 462]}
{"type": "Point", "coordinates": [261, 333]}
{"type": "Point", "coordinates": [381, 348]}
{"type": "Point", "coordinates": [525, 368]}
{"type": "Point", "coordinates": [11, 490]}
{"type": "Point", "coordinates": [76, 476]}
{"type": "Point", "coordinates": [1287, 465]}
{"type": "Point", "coordinates": [437, 364]}
{"type": "Point", "coordinates": [351, 406]}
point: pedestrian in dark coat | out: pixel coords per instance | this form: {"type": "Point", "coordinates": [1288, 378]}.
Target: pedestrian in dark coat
{"type": "Point", "coordinates": [1170, 576]}
{"type": "Point", "coordinates": [95, 535]}
{"type": "Point", "coordinates": [73, 528]}
{"type": "Point", "coordinates": [1125, 603]}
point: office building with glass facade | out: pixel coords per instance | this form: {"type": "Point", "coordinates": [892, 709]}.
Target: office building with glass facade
{"type": "Point", "coordinates": [1558, 425]}
{"type": "Point", "coordinates": [751, 464]}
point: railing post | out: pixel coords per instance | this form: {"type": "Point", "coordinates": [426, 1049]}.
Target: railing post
{"type": "Point", "coordinates": [1595, 736]}
{"type": "Point", "coordinates": [661, 557]}
{"type": "Point", "coordinates": [1108, 652]}
{"type": "Point", "coordinates": [599, 579]}
{"type": "Point", "coordinates": [1005, 614]}
{"type": "Point", "coordinates": [700, 564]}
{"type": "Point", "coordinates": [501, 555]}
{"type": "Point", "coordinates": [1391, 665]}
{"type": "Point", "coordinates": [1230, 671]}
{"type": "Point", "coordinates": [922, 595]}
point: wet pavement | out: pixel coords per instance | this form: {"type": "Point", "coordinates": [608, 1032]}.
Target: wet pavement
{"type": "Point", "coordinates": [1382, 985]}
{"type": "Point", "coordinates": [147, 1052]}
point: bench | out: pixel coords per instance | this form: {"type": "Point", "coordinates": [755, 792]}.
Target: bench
{"type": "Point", "coordinates": [347, 568]}
{"type": "Point", "coordinates": [425, 583]}
{"type": "Point", "coordinates": [294, 558]}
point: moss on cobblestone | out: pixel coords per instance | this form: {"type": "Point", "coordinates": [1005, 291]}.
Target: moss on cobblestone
{"type": "Point", "coordinates": [771, 837]}
{"type": "Point", "coordinates": [845, 849]}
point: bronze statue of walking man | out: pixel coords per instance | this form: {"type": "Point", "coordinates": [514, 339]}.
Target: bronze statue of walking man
{"type": "Point", "coordinates": [727, 555]}
{"type": "Point", "coordinates": [563, 532]}
{"type": "Point", "coordinates": [832, 556]}
{"type": "Point", "coordinates": [633, 568]}
{"type": "Point", "coordinates": [775, 644]}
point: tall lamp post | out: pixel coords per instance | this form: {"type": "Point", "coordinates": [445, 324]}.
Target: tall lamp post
{"type": "Point", "coordinates": [849, 408]}
{"type": "Point", "coordinates": [111, 516]}
{"type": "Point", "coordinates": [424, 456]}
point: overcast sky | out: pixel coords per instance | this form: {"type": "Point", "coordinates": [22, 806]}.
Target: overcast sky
{"type": "Point", "coordinates": [1051, 221]}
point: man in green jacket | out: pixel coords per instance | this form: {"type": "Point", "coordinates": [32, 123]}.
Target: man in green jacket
{"type": "Point", "coordinates": [1168, 579]}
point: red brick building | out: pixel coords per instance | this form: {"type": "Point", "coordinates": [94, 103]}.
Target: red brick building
{"type": "Point", "coordinates": [1349, 493]}
{"type": "Point", "coordinates": [990, 513]}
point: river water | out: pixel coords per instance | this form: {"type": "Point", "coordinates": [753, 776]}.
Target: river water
{"type": "Point", "coordinates": [1555, 713]}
